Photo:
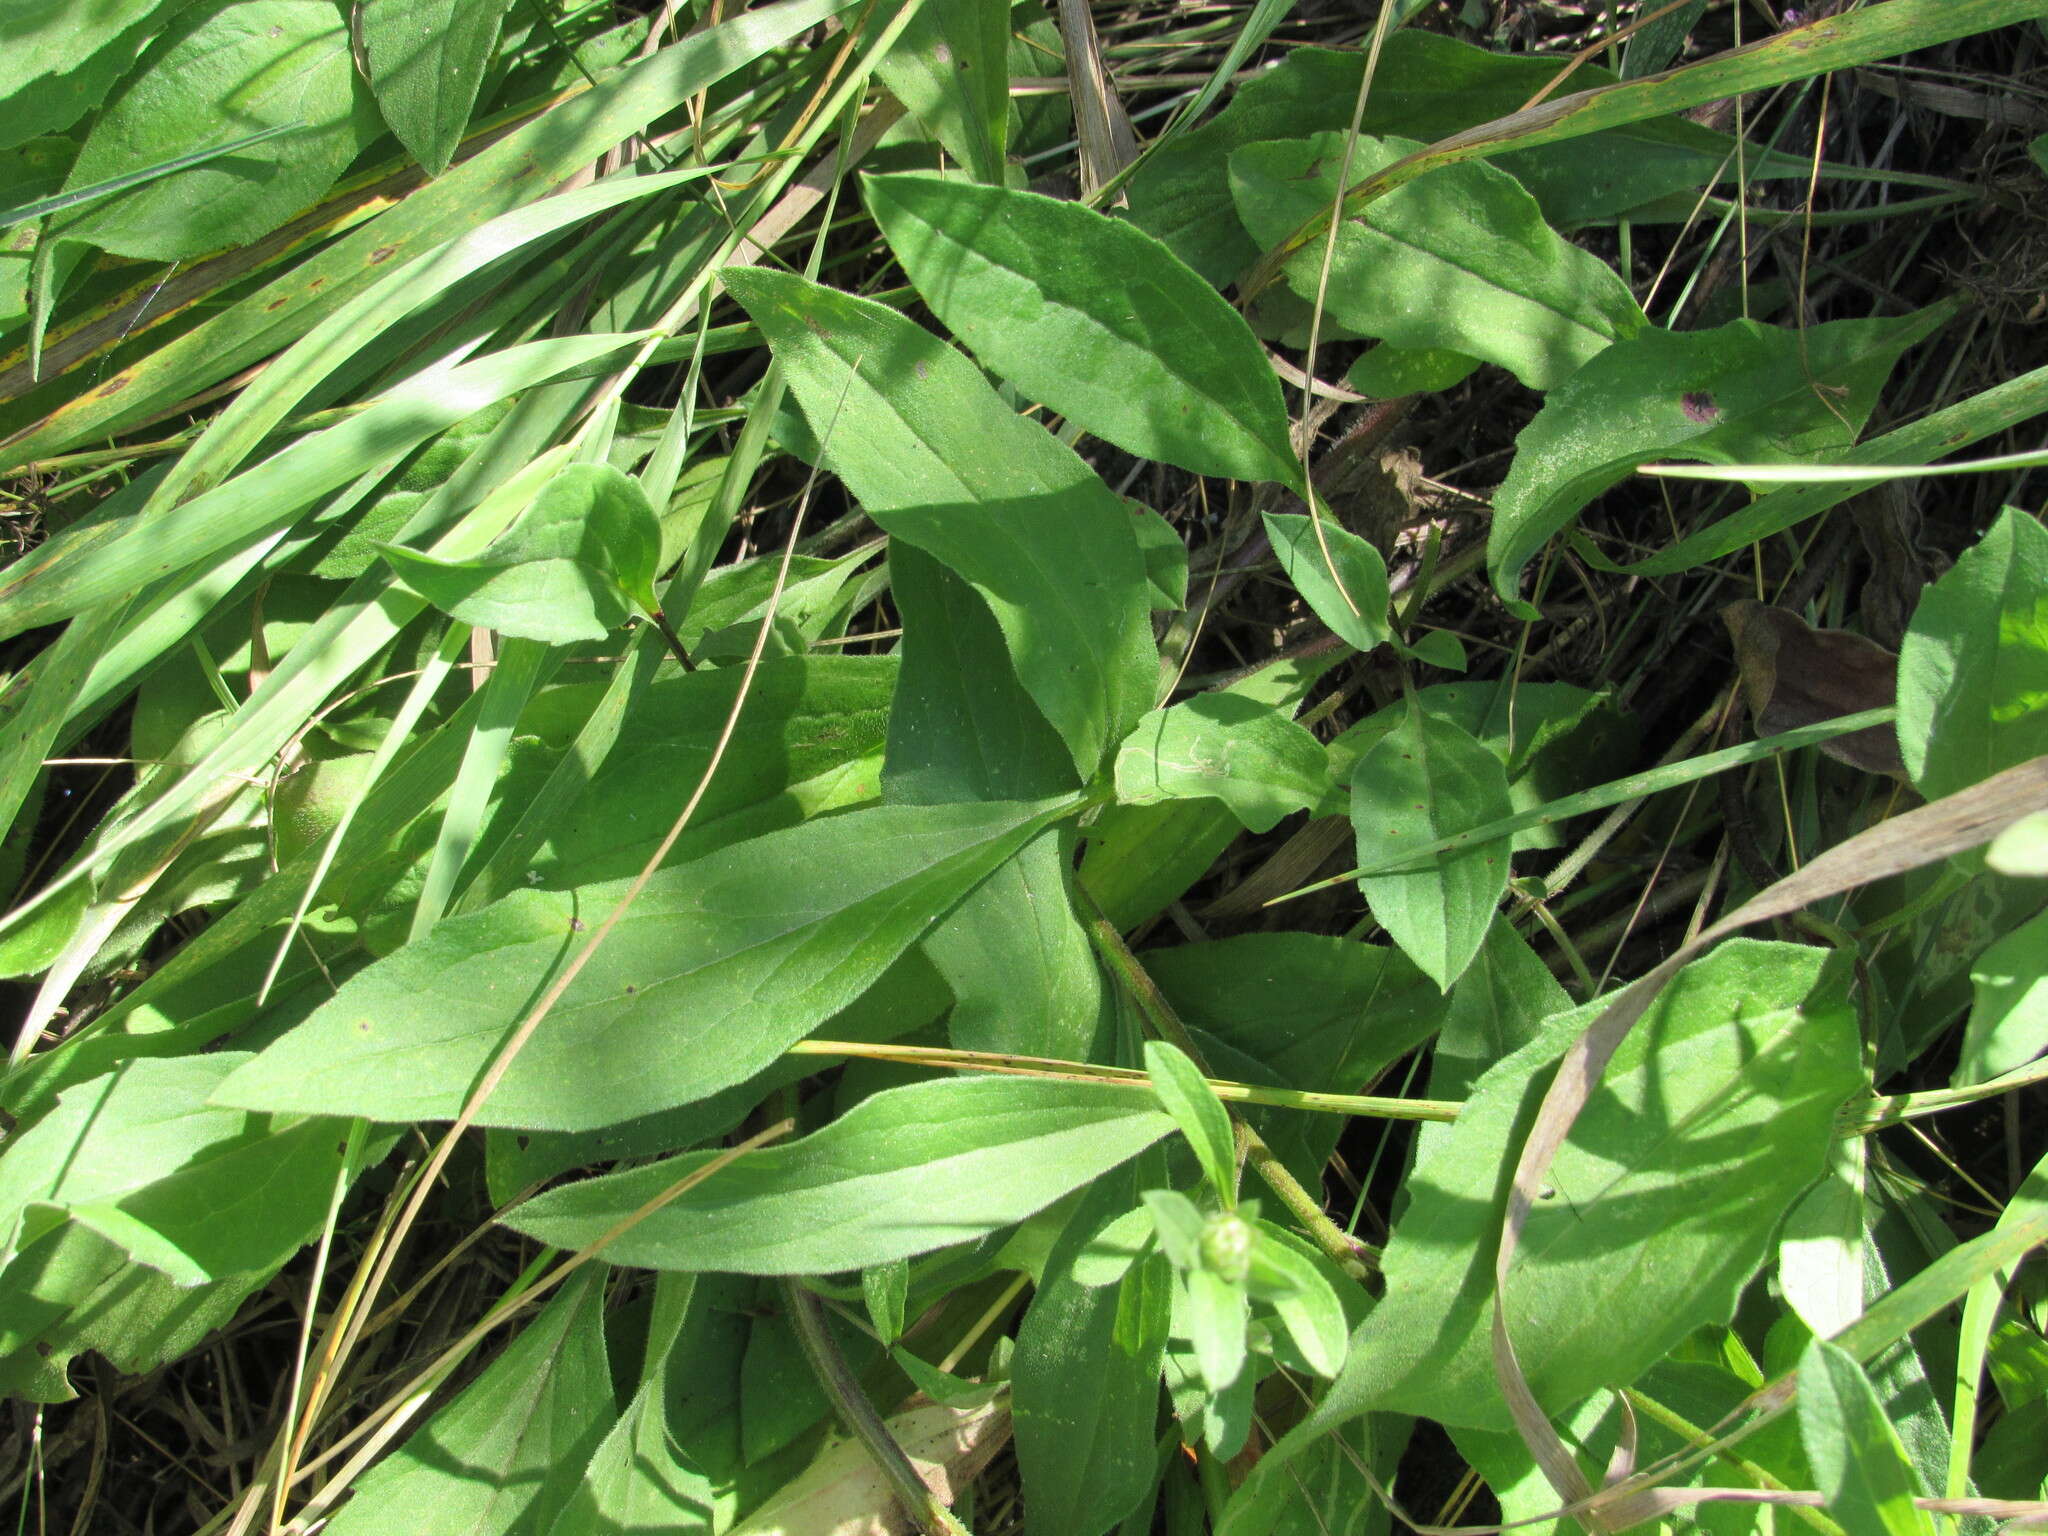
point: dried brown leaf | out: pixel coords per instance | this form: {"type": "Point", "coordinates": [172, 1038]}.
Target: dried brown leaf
{"type": "Point", "coordinates": [1794, 675]}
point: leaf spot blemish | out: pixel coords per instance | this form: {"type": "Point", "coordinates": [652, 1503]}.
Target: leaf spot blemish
{"type": "Point", "coordinates": [575, 925]}
{"type": "Point", "coordinates": [1698, 406]}
{"type": "Point", "coordinates": [382, 254]}
{"type": "Point", "coordinates": [631, 990]}
{"type": "Point", "coordinates": [113, 386]}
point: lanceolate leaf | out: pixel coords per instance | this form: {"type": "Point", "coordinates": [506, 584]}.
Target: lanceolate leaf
{"type": "Point", "coordinates": [425, 60]}
{"type": "Point", "coordinates": [2009, 1019]}
{"type": "Point", "coordinates": [225, 68]}
{"type": "Point", "coordinates": [571, 569]}
{"type": "Point", "coordinates": [1460, 261]}
{"type": "Point", "coordinates": [906, 1171]}
{"type": "Point", "coordinates": [1186, 1096]}
{"type": "Point", "coordinates": [44, 40]}
{"type": "Point", "coordinates": [1711, 1119]}
{"type": "Point", "coordinates": [718, 966]}
{"type": "Point", "coordinates": [1743, 393]}
{"type": "Point", "coordinates": [1224, 746]}
{"type": "Point", "coordinates": [1425, 86]}
{"type": "Point", "coordinates": [1086, 1379]}
{"type": "Point", "coordinates": [1339, 575]}
{"type": "Point", "coordinates": [197, 1192]}
{"type": "Point", "coordinates": [961, 727]}
{"type": "Point", "coordinates": [951, 69]}
{"type": "Point", "coordinates": [939, 461]}
{"type": "Point", "coordinates": [508, 1453]}
{"type": "Point", "coordinates": [1855, 1453]}
{"type": "Point", "coordinates": [1093, 318]}
{"type": "Point", "coordinates": [1973, 670]}
{"type": "Point", "coordinates": [1425, 779]}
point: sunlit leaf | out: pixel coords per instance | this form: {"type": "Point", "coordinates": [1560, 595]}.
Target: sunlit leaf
{"type": "Point", "coordinates": [1095, 319]}
{"type": "Point", "coordinates": [906, 1171]}
{"type": "Point", "coordinates": [1425, 779]}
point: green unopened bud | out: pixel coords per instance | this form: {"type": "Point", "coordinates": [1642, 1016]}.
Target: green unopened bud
{"type": "Point", "coordinates": [1227, 1247]}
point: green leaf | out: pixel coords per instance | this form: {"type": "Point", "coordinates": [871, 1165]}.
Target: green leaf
{"type": "Point", "coordinates": [1225, 747]}
{"type": "Point", "coordinates": [1428, 778]}
{"type": "Point", "coordinates": [885, 1287]}
{"type": "Point", "coordinates": [1179, 1225]}
{"type": "Point", "coordinates": [1093, 318]}
{"type": "Point", "coordinates": [1742, 393]}
{"type": "Point", "coordinates": [1460, 261]}
{"type": "Point", "coordinates": [1180, 1088]}
{"type": "Point", "coordinates": [1023, 973]}
{"type": "Point", "coordinates": [425, 60]}
{"type": "Point", "coordinates": [1166, 558]}
{"type": "Point", "coordinates": [1215, 1314]}
{"type": "Point", "coordinates": [45, 40]}
{"type": "Point", "coordinates": [636, 1482]}
{"type": "Point", "coordinates": [1388, 372]}
{"type": "Point", "coordinates": [2009, 1020]}
{"type": "Point", "coordinates": [78, 198]}
{"type": "Point", "coordinates": [507, 1455]}
{"type": "Point", "coordinates": [1821, 1246]}
{"type": "Point", "coordinates": [812, 728]}
{"type": "Point", "coordinates": [1426, 86]}
{"type": "Point", "coordinates": [1497, 1007]}
{"type": "Point", "coordinates": [1112, 1251]}
{"type": "Point", "coordinates": [1304, 1301]}
{"type": "Point", "coordinates": [2022, 848]}
{"type": "Point", "coordinates": [1298, 1010]}
{"type": "Point", "coordinates": [194, 1191]}
{"type": "Point", "coordinates": [1345, 588]}
{"type": "Point", "coordinates": [908, 998]}
{"type": "Point", "coordinates": [73, 1291]}
{"type": "Point", "coordinates": [1856, 1456]}
{"type": "Point", "coordinates": [903, 1172]}
{"type": "Point", "coordinates": [525, 166]}
{"type": "Point", "coordinates": [961, 726]}
{"type": "Point", "coordinates": [950, 67]}
{"type": "Point", "coordinates": [1554, 739]}
{"type": "Point", "coordinates": [1085, 1378]}
{"type": "Point", "coordinates": [223, 69]}
{"type": "Point", "coordinates": [96, 562]}
{"type": "Point", "coordinates": [938, 460]}
{"type": "Point", "coordinates": [569, 569]}
{"type": "Point", "coordinates": [717, 967]}
{"type": "Point", "coordinates": [1973, 669]}
{"type": "Point", "coordinates": [1713, 1116]}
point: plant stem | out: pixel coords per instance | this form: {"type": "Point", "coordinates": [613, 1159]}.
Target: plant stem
{"type": "Point", "coordinates": [1356, 1259]}
{"type": "Point", "coordinates": [674, 640]}
{"type": "Point", "coordinates": [843, 1390]}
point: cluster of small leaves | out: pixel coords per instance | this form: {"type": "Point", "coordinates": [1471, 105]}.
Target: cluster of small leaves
{"type": "Point", "coordinates": [493, 770]}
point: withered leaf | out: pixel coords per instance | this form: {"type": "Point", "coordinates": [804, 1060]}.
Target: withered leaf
{"type": "Point", "coordinates": [1795, 675]}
